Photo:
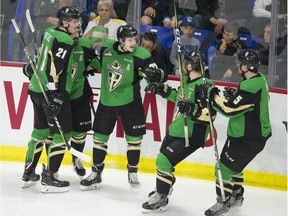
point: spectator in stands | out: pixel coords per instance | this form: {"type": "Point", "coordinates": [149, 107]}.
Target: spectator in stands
{"type": "Point", "coordinates": [184, 8]}
{"type": "Point", "coordinates": [188, 42]}
{"type": "Point", "coordinates": [205, 15]}
{"type": "Point", "coordinates": [281, 51]}
{"type": "Point", "coordinates": [227, 47]}
{"type": "Point", "coordinates": [105, 27]}
{"type": "Point", "coordinates": [262, 15]}
{"type": "Point", "coordinates": [262, 8]}
{"type": "Point", "coordinates": [153, 12]}
{"type": "Point", "coordinates": [61, 3]}
{"type": "Point", "coordinates": [119, 11]}
{"type": "Point", "coordinates": [149, 41]}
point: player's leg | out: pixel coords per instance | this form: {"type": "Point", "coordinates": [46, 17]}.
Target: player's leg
{"type": "Point", "coordinates": [35, 144]}
{"type": "Point", "coordinates": [50, 183]}
{"type": "Point", "coordinates": [78, 143]}
{"type": "Point", "coordinates": [103, 126]}
{"type": "Point", "coordinates": [172, 152]}
{"type": "Point", "coordinates": [81, 124]}
{"type": "Point", "coordinates": [133, 157]}
{"type": "Point", "coordinates": [134, 123]}
{"type": "Point", "coordinates": [235, 157]}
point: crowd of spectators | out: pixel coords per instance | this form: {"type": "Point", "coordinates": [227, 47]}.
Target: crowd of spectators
{"type": "Point", "coordinates": [229, 19]}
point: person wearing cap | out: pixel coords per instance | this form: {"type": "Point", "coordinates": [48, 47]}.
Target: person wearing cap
{"type": "Point", "coordinates": [188, 42]}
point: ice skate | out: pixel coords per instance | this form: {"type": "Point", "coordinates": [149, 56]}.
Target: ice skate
{"type": "Point", "coordinates": [50, 184]}
{"type": "Point", "coordinates": [92, 182]}
{"type": "Point", "coordinates": [132, 176]}
{"type": "Point", "coordinates": [237, 198]}
{"type": "Point", "coordinates": [218, 209]}
{"type": "Point", "coordinates": [78, 167]}
{"type": "Point", "coordinates": [156, 203]}
{"type": "Point", "coordinates": [29, 178]}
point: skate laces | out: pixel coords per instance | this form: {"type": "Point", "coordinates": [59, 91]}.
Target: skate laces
{"type": "Point", "coordinates": [92, 176]}
{"type": "Point", "coordinates": [217, 207]}
{"type": "Point", "coordinates": [78, 163]}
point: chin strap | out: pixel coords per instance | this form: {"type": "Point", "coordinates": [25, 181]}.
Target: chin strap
{"type": "Point", "coordinates": [243, 72]}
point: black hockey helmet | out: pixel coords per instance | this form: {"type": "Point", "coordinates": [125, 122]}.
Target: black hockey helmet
{"type": "Point", "coordinates": [67, 14]}
{"type": "Point", "coordinates": [251, 58]}
{"type": "Point", "coordinates": [195, 58]}
{"type": "Point", "coordinates": [126, 31]}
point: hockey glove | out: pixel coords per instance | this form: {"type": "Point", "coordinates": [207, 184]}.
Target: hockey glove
{"type": "Point", "coordinates": [54, 105]}
{"type": "Point", "coordinates": [28, 71]}
{"type": "Point", "coordinates": [155, 74]}
{"type": "Point", "coordinates": [206, 92]}
{"type": "Point", "coordinates": [189, 108]}
{"type": "Point", "coordinates": [159, 88]}
{"type": "Point", "coordinates": [229, 92]}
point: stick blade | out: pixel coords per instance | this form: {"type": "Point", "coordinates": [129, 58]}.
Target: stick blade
{"type": "Point", "coordinates": [29, 20]}
{"type": "Point", "coordinates": [15, 25]}
{"type": "Point", "coordinates": [80, 155]}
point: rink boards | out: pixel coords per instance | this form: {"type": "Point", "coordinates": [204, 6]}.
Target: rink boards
{"type": "Point", "coordinates": [269, 168]}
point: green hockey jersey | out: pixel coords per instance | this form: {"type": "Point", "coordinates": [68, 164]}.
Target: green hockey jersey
{"type": "Point", "coordinates": [54, 63]}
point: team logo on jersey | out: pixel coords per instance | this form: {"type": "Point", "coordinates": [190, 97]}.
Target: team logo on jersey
{"type": "Point", "coordinates": [108, 53]}
{"type": "Point", "coordinates": [176, 114]}
{"type": "Point", "coordinates": [115, 75]}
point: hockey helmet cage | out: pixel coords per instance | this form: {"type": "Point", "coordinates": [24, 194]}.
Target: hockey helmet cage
{"type": "Point", "coordinates": [67, 13]}
{"type": "Point", "coordinates": [251, 58]}
{"type": "Point", "coordinates": [126, 31]}
{"type": "Point", "coordinates": [195, 58]}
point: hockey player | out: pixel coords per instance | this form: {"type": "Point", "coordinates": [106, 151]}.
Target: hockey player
{"type": "Point", "coordinates": [123, 65]}
{"type": "Point", "coordinates": [54, 70]}
{"type": "Point", "coordinates": [248, 128]}
{"type": "Point", "coordinates": [79, 95]}
{"type": "Point", "coordinates": [173, 149]}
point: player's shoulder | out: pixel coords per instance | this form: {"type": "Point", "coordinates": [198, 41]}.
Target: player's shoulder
{"type": "Point", "coordinates": [59, 35]}
{"type": "Point", "coordinates": [142, 53]}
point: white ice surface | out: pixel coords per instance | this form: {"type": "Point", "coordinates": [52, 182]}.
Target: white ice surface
{"type": "Point", "coordinates": [191, 197]}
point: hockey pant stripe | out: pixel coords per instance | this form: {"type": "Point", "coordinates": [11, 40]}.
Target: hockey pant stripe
{"type": "Point", "coordinates": [57, 149]}
{"type": "Point", "coordinates": [165, 177]}
{"type": "Point", "coordinates": [78, 138]}
{"type": "Point", "coordinates": [99, 152]}
{"type": "Point", "coordinates": [57, 152]}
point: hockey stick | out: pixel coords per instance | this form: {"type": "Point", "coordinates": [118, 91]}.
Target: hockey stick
{"type": "Point", "coordinates": [212, 129]}
{"type": "Point", "coordinates": [73, 151]}
{"type": "Point", "coordinates": [29, 20]}
{"type": "Point", "coordinates": [177, 36]}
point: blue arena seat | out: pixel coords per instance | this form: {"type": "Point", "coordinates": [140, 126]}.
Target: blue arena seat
{"type": "Point", "coordinates": [165, 35]}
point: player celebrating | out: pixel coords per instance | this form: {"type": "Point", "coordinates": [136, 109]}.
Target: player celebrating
{"type": "Point", "coordinates": [79, 95]}
{"type": "Point", "coordinates": [248, 128]}
{"type": "Point", "coordinates": [54, 69]}
{"type": "Point", "coordinates": [173, 149]}
{"type": "Point", "coordinates": [123, 65]}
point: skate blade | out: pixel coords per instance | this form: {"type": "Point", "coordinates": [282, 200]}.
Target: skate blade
{"type": "Point", "coordinates": [95, 186]}
{"type": "Point", "coordinates": [51, 189]}
{"type": "Point", "coordinates": [159, 210]}
{"type": "Point", "coordinates": [27, 184]}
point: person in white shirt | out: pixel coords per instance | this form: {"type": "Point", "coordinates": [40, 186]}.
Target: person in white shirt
{"type": "Point", "coordinates": [259, 9]}
{"type": "Point", "coordinates": [110, 26]}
